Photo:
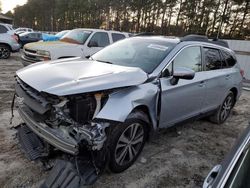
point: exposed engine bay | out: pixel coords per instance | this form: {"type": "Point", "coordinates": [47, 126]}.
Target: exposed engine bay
{"type": "Point", "coordinates": [62, 123]}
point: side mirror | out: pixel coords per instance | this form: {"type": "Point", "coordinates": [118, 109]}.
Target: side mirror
{"type": "Point", "coordinates": [211, 176]}
{"type": "Point", "coordinates": [182, 73]}
{"type": "Point", "coordinates": [92, 44]}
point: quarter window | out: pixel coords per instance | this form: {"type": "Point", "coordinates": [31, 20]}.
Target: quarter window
{"type": "Point", "coordinates": [190, 58]}
{"type": "Point", "coordinates": [229, 59]}
{"type": "Point", "coordinates": [117, 36]}
{"type": "Point", "coordinates": [101, 39]}
{"type": "Point", "coordinates": [3, 29]}
{"type": "Point", "coordinates": [212, 59]}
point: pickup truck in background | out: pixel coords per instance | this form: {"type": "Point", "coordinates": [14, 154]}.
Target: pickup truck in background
{"type": "Point", "coordinates": [76, 43]}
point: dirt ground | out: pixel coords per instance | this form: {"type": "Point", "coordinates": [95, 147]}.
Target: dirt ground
{"type": "Point", "coordinates": [176, 157]}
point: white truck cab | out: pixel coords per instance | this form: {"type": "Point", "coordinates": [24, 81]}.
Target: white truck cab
{"type": "Point", "coordinates": [76, 43]}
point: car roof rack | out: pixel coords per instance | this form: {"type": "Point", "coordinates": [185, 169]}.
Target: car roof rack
{"type": "Point", "coordinates": [203, 38]}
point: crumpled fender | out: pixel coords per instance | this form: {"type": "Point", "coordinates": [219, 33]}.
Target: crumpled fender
{"type": "Point", "coordinates": [121, 103]}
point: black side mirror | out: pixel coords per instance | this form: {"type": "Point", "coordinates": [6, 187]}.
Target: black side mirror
{"type": "Point", "coordinates": [182, 73]}
{"type": "Point", "coordinates": [93, 44]}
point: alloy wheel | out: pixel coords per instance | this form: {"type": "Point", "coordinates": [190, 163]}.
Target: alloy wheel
{"type": "Point", "coordinates": [226, 108]}
{"type": "Point", "coordinates": [4, 52]}
{"type": "Point", "coordinates": [129, 144]}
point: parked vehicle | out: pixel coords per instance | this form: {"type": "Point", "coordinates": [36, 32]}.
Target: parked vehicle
{"type": "Point", "coordinates": [103, 109]}
{"type": "Point", "coordinates": [29, 37]}
{"type": "Point", "coordinates": [23, 30]}
{"type": "Point", "coordinates": [8, 41]}
{"type": "Point", "coordinates": [76, 43]}
{"type": "Point", "coordinates": [234, 170]}
{"type": "Point", "coordinates": [55, 37]}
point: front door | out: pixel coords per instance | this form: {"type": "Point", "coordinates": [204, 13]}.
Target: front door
{"type": "Point", "coordinates": [184, 100]}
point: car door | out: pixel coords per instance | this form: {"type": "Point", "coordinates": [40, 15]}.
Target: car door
{"type": "Point", "coordinates": [218, 77]}
{"type": "Point", "coordinates": [184, 100]}
{"type": "Point", "coordinates": [234, 171]}
{"type": "Point", "coordinates": [98, 41]}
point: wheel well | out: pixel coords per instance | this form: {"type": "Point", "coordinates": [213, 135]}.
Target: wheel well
{"type": "Point", "coordinates": [235, 92]}
{"type": "Point", "coordinates": [6, 45]}
{"type": "Point", "coordinates": [144, 109]}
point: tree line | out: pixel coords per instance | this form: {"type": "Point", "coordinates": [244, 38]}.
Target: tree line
{"type": "Point", "coordinates": [226, 18]}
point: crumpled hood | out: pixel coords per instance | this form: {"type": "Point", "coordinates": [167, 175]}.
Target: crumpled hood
{"type": "Point", "coordinates": [67, 77]}
{"type": "Point", "coordinates": [49, 46]}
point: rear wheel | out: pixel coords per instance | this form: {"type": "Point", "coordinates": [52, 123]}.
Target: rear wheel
{"type": "Point", "coordinates": [224, 110]}
{"type": "Point", "coordinates": [127, 142]}
{"type": "Point", "coordinates": [4, 52]}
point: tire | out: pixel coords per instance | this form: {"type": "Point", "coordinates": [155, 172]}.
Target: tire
{"type": "Point", "coordinates": [224, 110]}
{"type": "Point", "coordinates": [4, 52]}
{"type": "Point", "coordinates": [124, 146]}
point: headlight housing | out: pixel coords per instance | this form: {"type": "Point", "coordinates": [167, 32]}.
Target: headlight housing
{"type": "Point", "coordinates": [45, 55]}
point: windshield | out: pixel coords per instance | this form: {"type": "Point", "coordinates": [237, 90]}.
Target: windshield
{"type": "Point", "coordinates": [62, 33]}
{"type": "Point", "coordinates": [76, 36]}
{"type": "Point", "coordinates": [145, 53]}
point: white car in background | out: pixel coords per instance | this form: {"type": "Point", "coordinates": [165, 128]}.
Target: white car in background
{"type": "Point", "coordinates": [8, 41]}
{"type": "Point", "coordinates": [21, 30]}
{"type": "Point", "coordinates": [76, 43]}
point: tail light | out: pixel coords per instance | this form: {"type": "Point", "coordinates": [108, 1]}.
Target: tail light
{"type": "Point", "coordinates": [242, 72]}
{"type": "Point", "coordinates": [15, 37]}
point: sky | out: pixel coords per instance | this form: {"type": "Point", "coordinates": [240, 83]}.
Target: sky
{"type": "Point", "coordinates": [11, 4]}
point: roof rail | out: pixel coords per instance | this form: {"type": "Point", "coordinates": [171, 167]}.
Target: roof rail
{"type": "Point", "coordinates": [195, 38]}
{"type": "Point", "coordinates": [203, 38]}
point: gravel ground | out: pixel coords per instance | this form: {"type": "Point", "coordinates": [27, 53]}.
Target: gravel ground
{"type": "Point", "coordinates": [177, 157]}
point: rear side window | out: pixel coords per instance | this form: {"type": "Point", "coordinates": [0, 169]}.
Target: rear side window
{"type": "Point", "coordinates": [229, 59]}
{"type": "Point", "coordinates": [116, 37]}
{"type": "Point", "coordinates": [3, 29]}
{"type": "Point", "coordinates": [212, 59]}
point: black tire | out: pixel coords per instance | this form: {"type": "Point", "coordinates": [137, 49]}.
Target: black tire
{"type": "Point", "coordinates": [4, 51]}
{"type": "Point", "coordinates": [223, 112]}
{"type": "Point", "coordinates": [119, 145]}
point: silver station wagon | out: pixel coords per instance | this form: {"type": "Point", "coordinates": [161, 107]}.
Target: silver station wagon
{"type": "Point", "coordinates": [98, 112]}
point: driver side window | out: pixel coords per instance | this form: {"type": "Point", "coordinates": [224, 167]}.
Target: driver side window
{"type": "Point", "coordinates": [99, 39]}
{"type": "Point", "coordinates": [189, 57]}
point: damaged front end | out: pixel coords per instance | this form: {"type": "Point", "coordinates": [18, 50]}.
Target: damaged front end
{"type": "Point", "coordinates": [63, 124]}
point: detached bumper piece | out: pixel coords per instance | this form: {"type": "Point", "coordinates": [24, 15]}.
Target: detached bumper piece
{"type": "Point", "coordinates": [66, 175]}
{"type": "Point", "coordinates": [30, 143]}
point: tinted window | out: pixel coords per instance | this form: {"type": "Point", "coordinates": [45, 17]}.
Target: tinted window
{"type": "Point", "coordinates": [146, 53]}
{"type": "Point", "coordinates": [229, 58]}
{"type": "Point", "coordinates": [3, 29]}
{"type": "Point", "coordinates": [101, 39]}
{"type": "Point", "coordinates": [212, 59]}
{"type": "Point", "coordinates": [190, 58]}
{"type": "Point", "coordinates": [239, 178]}
{"type": "Point", "coordinates": [33, 35]}
{"type": "Point", "coordinates": [116, 36]}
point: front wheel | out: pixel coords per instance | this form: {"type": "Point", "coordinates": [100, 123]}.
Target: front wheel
{"type": "Point", "coordinates": [224, 110]}
{"type": "Point", "coordinates": [4, 52]}
{"type": "Point", "coordinates": [127, 142]}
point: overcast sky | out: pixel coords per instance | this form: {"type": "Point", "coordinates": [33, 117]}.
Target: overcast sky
{"type": "Point", "coordinates": [10, 4]}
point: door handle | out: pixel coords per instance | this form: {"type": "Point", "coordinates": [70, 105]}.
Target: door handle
{"type": "Point", "coordinates": [202, 84]}
{"type": "Point", "coordinates": [228, 77]}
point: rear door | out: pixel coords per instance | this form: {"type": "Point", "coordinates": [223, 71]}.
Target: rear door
{"type": "Point", "coordinates": [184, 100]}
{"type": "Point", "coordinates": [218, 78]}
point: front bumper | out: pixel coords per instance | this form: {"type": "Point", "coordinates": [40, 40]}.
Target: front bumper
{"type": "Point", "coordinates": [25, 61]}
{"type": "Point", "coordinates": [55, 137]}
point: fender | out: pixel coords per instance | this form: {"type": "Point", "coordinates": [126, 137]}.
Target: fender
{"type": "Point", "coordinates": [121, 103]}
